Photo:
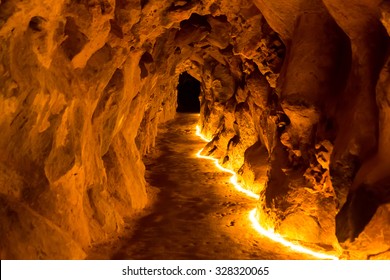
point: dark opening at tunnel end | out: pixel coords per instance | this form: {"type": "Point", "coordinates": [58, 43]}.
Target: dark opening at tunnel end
{"type": "Point", "coordinates": [188, 91]}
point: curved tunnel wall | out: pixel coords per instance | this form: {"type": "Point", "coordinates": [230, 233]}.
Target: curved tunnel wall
{"type": "Point", "coordinates": [299, 112]}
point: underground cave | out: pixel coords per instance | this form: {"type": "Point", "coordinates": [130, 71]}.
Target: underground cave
{"type": "Point", "coordinates": [195, 129]}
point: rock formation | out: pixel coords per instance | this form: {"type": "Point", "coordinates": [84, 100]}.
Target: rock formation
{"type": "Point", "coordinates": [295, 96]}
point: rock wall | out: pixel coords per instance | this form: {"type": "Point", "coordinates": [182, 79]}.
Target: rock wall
{"type": "Point", "coordinates": [313, 142]}
{"type": "Point", "coordinates": [81, 99]}
{"type": "Point", "coordinates": [293, 94]}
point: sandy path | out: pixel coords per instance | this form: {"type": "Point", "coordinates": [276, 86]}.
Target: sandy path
{"type": "Point", "coordinates": [197, 214]}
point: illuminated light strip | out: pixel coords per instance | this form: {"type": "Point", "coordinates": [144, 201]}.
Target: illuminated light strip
{"type": "Point", "coordinates": [233, 179]}
{"type": "Point", "coordinates": [252, 214]}
{"type": "Point", "coordinates": [277, 238]}
{"type": "Point", "coordinates": [199, 133]}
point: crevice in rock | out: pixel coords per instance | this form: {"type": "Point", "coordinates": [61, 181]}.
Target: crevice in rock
{"type": "Point", "coordinates": [75, 39]}
{"type": "Point", "coordinates": [36, 23]}
{"type": "Point", "coordinates": [143, 3]}
{"type": "Point", "coordinates": [146, 59]}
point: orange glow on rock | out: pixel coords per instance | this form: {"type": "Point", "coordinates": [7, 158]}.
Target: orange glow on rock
{"type": "Point", "coordinates": [278, 238]}
{"type": "Point", "coordinates": [233, 179]}
{"type": "Point", "coordinates": [253, 213]}
{"type": "Point", "coordinates": [199, 133]}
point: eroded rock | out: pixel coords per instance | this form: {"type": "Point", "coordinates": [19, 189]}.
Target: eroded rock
{"type": "Point", "coordinates": [294, 95]}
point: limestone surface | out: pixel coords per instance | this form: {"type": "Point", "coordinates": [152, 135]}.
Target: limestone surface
{"type": "Point", "coordinates": [295, 97]}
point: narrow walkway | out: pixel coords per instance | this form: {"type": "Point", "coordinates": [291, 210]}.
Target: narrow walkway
{"type": "Point", "coordinates": [197, 214]}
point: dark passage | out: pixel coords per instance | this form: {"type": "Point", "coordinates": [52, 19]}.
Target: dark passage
{"type": "Point", "coordinates": [188, 94]}
{"type": "Point", "coordinates": [196, 215]}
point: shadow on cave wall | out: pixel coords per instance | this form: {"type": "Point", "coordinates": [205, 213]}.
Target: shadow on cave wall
{"type": "Point", "coordinates": [359, 209]}
{"type": "Point", "coordinates": [188, 92]}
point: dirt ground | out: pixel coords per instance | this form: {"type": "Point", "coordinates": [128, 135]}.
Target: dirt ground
{"type": "Point", "coordinates": [196, 213]}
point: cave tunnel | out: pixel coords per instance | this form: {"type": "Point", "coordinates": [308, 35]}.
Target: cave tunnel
{"type": "Point", "coordinates": [188, 91]}
{"type": "Point", "coordinates": [289, 140]}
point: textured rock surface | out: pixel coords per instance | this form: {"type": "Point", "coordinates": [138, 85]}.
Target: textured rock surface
{"type": "Point", "coordinates": [294, 95]}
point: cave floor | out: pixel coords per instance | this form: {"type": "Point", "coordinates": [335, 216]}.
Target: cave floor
{"type": "Point", "coordinates": [196, 214]}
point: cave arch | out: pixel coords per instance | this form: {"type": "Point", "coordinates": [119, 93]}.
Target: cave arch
{"type": "Point", "coordinates": [188, 91]}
